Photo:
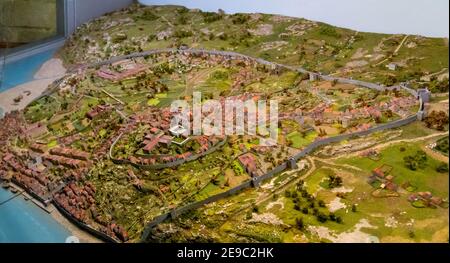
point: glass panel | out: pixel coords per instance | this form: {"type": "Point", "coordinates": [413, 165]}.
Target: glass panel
{"type": "Point", "coordinates": [26, 21]}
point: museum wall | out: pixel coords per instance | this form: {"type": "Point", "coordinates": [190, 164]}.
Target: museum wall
{"type": "Point", "coordinates": [86, 10]}
{"type": "Point", "coordinates": [24, 21]}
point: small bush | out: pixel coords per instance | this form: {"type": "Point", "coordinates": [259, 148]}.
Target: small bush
{"type": "Point", "coordinates": [210, 17]}
{"type": "Point", "coordinates": [239, 19]}
{"type": "Point", "coordinates": [330, 31]}
{"type": "Point", "coordinates": [148, 15]}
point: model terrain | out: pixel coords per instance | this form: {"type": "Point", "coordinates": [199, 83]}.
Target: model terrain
{"type": "Point", "coordinates": [362, 150]}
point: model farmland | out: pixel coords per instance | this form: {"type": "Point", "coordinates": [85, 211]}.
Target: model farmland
{"type": "Point", "coordinates": [99, 143]}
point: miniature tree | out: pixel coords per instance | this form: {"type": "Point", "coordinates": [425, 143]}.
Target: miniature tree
{"type": "Point", "coordinates": [321, 203]}
{"type": "Point", "coordinates": [299, 223]}
{"type": "Point", "coordinates": [255, 208]}
{"type": "Point", "coordinates": [442, 167]}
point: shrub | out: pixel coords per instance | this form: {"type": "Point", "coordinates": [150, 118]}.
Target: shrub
{"type": "Point", "coordinates": [330, 31]}
{"type": "Point", "coordinates": [182, 20]}
{"type": "Point", "coordinates": [148, 15]}
{"type": "Point", "coordinates": [239, 19]}
{"type": "Point", "coordinates": [220, 75]}
{"type": "Point", "coordinates": [413, 162]}
{"type": "Point", "coordinates": [287, 193]}
{"type": "Point", "coordinates": [182, 10]}
{"type": "Point", "coordinates": [442, 145]}
{"type": "Point", "coordinates": [389, 80]}
{"type": "Point", "coordinates": [210, 17]}
{"type": "Point", "coordinates": [442, 167]}
{"type": "Point", "coordinates": [223, 36]}
{"type": "Point", "coordinates": [321, 217]}
{"type": "Point", "coordinates": [255, 208]}
{"type": "Point", "coordinates": [437, 120]}
{"type": "Point", "coordinates": [334, 181]}
{"type": "Point", "coordinates": [299, 223]}
{"type": "Point", "coordinates": [183, 33]}
{"type": "Point", "coordinates": [321, 203]}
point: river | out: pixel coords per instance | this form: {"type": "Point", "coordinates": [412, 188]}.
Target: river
{"type": "Point", "coordinates": [23, 222]}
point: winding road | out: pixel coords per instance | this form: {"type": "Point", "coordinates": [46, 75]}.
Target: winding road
{"type": "Point", "coordinates": [302, 154]}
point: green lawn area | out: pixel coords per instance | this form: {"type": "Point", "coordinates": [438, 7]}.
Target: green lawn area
{"type": "Point", "coordinates": [211, 189]}
{"type": "Point", "coordinates": [317, 179]}
{"type": "Point", "coordinates": [442, 146]}
{"type": "Point", "coordinates": [52, 144]}
{"type": "Point", "coordinates": [298, 141]}
{"type": "Point", "coordinates": [153, 102]}
{"type": "Point", "coordinates": [44, 108]}
{"type": "Point", "coordinates": [237, 167]}
{"type": "Point", "coordinates": [426, 179]}
{"type": "Point", "coordinates": [161, 95]}
{"type": "Point", "coordinates": [415, 129]}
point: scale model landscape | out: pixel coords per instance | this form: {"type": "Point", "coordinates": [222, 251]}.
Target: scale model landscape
{"type": "Point", "coordinates": [362, 150]}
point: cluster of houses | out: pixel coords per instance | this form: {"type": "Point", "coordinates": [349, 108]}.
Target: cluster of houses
{"type": "Point", "coordinates": [250, 164]}
{"type": "Point", "coordinates": [155, 118]}
{"type": "Point", "coordinates": [382, 175]}
{"type": "Point", "coordinates": [98, 110]}
{"type": "Point", "coordinates": [126, 69]}
{"type": "Point", "coordinates": [205, 144]}
{"type": "Point", "coordinates": [11, 124]}
{"type": "Point", "coordinates": [64, 161]}
{"type": "Point", "coordinates": [371, 154]}
{"type": "Point", "coordinates": [79, 201]}
{"type": "Point", "coordinates": [154, 138]}
{"type": "Point", "coordinates": [325, 114]}
{"type": "Point", "coordinates": [427, 199]}
{"type": "Point", "coordinates": [161, 134]}
{"type": "Point", "coordinates": [29, 168]}
{"type": "Point", "coordinates": [70, 153]}
{"type": "Point", "coordinates": [67, 157]}
{"type": "Point", "coordinates": [243, 78]}
{"type": "Point", "coordinates": [206, 59]}
{"type": "Point", "coordinates": [31, 180]}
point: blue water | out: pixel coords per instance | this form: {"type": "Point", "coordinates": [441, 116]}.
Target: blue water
{"type": "Point", "coordinates": [23, 222]}
{"type": "Point", "coordinates": [21, 71]}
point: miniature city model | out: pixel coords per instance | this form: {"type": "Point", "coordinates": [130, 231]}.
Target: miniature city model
{"type": "Point", "coordinates": [361, 154]}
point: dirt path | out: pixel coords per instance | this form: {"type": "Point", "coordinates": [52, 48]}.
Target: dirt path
{"type": "Point", "coordinates": [386, 144]}
{"type": "Point", "coordinates": [346, 166]}
{"type": "Point", "coordinates": [400, 45]}
{"type": "Point", "coordinates": [167, 21]}
{"type": "Point", "coordinates": [436, 155]}
{"type": "Point", "coordinates": [395, 51]}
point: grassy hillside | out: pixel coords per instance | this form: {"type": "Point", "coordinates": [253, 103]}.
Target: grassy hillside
{"type": "Point", "coordinates": [294, 41]}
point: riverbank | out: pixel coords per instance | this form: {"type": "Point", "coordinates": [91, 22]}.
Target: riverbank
{"type": "Point", "coordinates": [45, 223]}
{"type": "Point", "coordinates": [23, 221]}
{"type": "Point", "coordinates": [82, 235]}
{"type": "Point", "coordinates": [27, 92]}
